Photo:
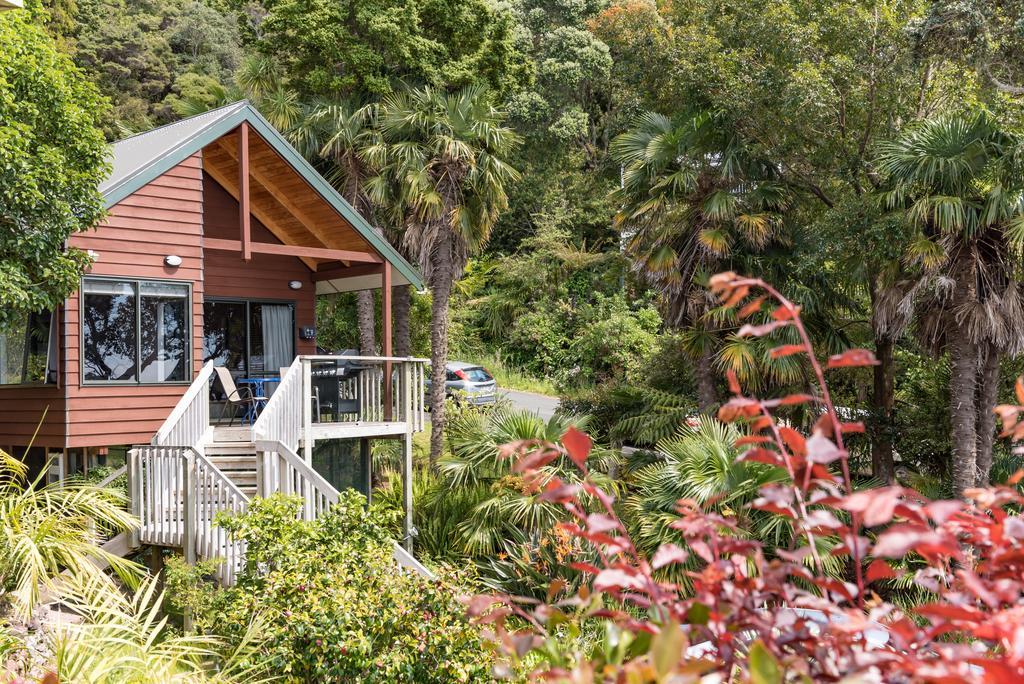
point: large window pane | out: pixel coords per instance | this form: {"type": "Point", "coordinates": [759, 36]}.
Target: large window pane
{"type": "Point", "coordinates": [28, 351]}
{"type": "Point", "coordinates": [109, 343]}
{"type": "Point", "coordinates": [164, 332]}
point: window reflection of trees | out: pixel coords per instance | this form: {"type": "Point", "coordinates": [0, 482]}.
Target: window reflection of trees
{"type": "Point", "coordinates": [108, 331]}
{"type": "Point", "coordinates": [113, 348]}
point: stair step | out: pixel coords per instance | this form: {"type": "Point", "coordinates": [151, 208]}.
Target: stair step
{"type": "Point", "coordinates": [232, 434]}
{"type": "Point", "coordinates": [214, 448]}
{"type": "Point", "coordinates": [233, 460]}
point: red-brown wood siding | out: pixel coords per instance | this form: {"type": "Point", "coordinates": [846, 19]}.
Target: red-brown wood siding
{"type": "Point", "coordinates": [164, 217]}
{"type": "Point", "coordinates": [170, 215]}
{"type": "Point", "coordinates": [266, 276]}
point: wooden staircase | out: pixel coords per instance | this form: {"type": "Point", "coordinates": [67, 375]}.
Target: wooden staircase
{"type": "Point", "coordinates": [194, 470]}
{"type": "Point", "coordinates": [234, 453]}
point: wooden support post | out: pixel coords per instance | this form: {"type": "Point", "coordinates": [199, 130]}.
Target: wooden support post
{"type": "Point", "coordinates": [307, 412]}
{"type": "Point", "coordinates": [243, 190]}
{"type": "Point", "coordinates": [366, 459]}
{"type": "Point", "coordinates": [385, 328]}
{"type": "Point", "coordinates": [407, 526]}
{"type": "Point", "coordinates": [189, 505]}
{"type": "Point", "coordinates": [405, 386]}
{"type": "Point", "coordinates": [134, 496]}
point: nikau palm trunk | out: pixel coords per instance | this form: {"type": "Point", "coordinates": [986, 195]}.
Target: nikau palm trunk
{"type": "Point", "coordinates": [441, 289]}
{"type": "Point", "coordinates": [706, 392]}
{"type": "Point", "coordinates": [883, 393]}
{"type": "Point", "coordinates": [988, 390]}
{"type": "Point", "coordinates": [366, 319]}
{"type": "Point", "coordinates": [402, 303]}
{"type": "Point", "coordinates": [963, 391]}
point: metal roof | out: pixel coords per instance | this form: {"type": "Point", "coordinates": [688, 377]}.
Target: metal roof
{"type": "Point", "coordinates": [142, 158]}
{"type": "Point", "coordinates": [132, 156]}
{"type": "Point", "coordinates": [10, 4]}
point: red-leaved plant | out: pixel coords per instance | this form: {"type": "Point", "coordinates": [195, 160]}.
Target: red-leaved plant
{"type": "Point", "coordinates": [751, 617]}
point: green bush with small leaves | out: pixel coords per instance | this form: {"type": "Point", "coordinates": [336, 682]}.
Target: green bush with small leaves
{"type": "Point", "coordinates": [335, 606]}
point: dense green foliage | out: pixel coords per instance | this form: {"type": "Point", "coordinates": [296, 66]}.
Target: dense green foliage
{"type": "Point", "coordinates": [331, 605]}
{"type": "Point", "coordinates": [51, 162]}
{"type": "Point", "coordinates": [369, 46]}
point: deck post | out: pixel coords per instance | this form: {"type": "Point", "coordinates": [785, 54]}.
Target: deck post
{"type": "Point", "coordinates": [135, 496]}
{"type": "Point", "coordinates": [307, 412]}
{"type": "Point", "coordinates": [385, 328]}
{"type": "Point", "coordinates": [189, 504]}
{"type": "Point", "coordinates": [406, 399]}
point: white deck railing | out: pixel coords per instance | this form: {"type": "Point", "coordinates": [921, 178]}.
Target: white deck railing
{"type": "Point", "coordinates": [176, 493]}
{"type": "Point", "coordinates": [343, 389]}
{"type": "Point", "coordinates": [215, 493]}
{"type": "Point", "coordinates": [190, 420]}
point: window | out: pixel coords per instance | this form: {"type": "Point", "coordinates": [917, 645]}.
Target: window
{"type": "Point", "coordinates": [28, 351]}
{"type": "Point", "coordinates": [135, 331]}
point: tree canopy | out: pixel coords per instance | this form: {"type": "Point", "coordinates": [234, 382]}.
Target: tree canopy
{"type": "Point", "coordinates": [52, 159]}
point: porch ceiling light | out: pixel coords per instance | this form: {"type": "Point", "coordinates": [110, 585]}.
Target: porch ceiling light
{"type": "Point", "coordinates": [295, 284]}
{"type": "Point", "coordinates": [172, 260]}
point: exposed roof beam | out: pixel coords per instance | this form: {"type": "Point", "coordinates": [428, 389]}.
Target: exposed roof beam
{"type": "Point", "coordinates": [267, 184]}
{"type": "Point", "coordinates": [335, 273]}
{"type": "Point", "coordinates": [293, 250]}
{"type": "Point", "coordinates": [231, 185]}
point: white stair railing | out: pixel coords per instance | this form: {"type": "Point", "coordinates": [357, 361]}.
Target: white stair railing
{"type": "Point", "coordinates": [215, 493]}
{"type": "Point", "coordinates": [282, 470]}
{"type": "Point", "coordinates": [176, 494]}
{"type": "Point", "coordinates": [282, 418]}
{"type": "Point", "coordinates": [188, 423]}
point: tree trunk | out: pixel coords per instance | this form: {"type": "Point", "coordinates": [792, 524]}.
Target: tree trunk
{"type": "Point", "coordinates": [882, 401]}
{"type": "Point", "coordinates": [988, 391]}
{"type": "Point", "coordinates": [366, 320]}
{"type": "Point", "coordinates": [441, 288]}
{"type": "Point", "coordinates": [963, 393]}
{"type": "Point", "coordinates": [707, 395]}
{"type": "Point", "coordinates": [402, 303]}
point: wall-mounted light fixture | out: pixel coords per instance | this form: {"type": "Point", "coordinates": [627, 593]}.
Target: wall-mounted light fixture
{"type": "Point", "coordinates": [172, 260]}
{"type": "Point", "coordinates": [295, 284]}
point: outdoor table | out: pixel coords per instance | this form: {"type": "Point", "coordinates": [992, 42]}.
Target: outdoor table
{"type": "Point", "coordinates": [258, 390]}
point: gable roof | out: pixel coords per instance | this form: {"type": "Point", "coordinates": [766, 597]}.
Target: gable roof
{"type": "Point", "coordinates": [142, 158]}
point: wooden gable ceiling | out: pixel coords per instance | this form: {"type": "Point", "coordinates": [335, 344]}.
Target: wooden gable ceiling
{"type": "Point", "coordinates": [281, 198]}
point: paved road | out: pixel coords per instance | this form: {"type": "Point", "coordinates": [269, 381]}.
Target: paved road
{"type": "Point", "coordinates": [538, 403]}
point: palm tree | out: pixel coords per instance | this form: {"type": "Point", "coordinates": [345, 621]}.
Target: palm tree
{"type": "Point", "coordinates": [690, 192]}
{"type": "Point", "coordinates": [125, 638]}
{"type": "Point", "coordinates": [46, 529]}
{"type": "Point", "coordinates": [959, 183]}
{"type": "Point", "coordinates": [504, 505]}
{"type": "Point", "coordinates": [698, 462]}
{"type": "Point", "coordinates": [343, 134]}
{"type": "Point", "coordinates": [447, 154]}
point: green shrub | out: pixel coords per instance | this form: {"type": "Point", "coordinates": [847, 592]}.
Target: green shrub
{"type": "Point", "coordinates": [334, 604]}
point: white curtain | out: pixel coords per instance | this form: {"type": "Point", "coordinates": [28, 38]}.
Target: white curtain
{"type": "Point", "coordinates": [278, 336]}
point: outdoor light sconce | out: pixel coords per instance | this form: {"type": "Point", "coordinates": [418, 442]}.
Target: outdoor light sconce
{"type": "Point", "coordinates": [172, 260]}
{"type": "Point", "coordinates": [295, 284]}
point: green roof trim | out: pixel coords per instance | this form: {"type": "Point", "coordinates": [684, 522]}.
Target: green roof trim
{"type": "Point", "coordinates": [143, 158]}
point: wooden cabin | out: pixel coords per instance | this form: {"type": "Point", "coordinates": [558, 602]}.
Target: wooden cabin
{"type": "Point", "coordinates": [219, 238]}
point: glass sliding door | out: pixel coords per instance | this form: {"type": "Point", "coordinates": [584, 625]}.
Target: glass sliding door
{"type": "Point", "coordinates": [250, 338]}
{"type": "Point", "coordinates": [225, 335]}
